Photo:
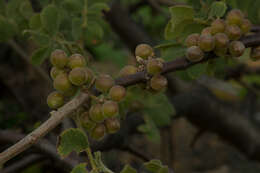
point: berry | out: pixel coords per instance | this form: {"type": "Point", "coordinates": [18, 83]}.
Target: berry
{"type": "Point", "coordinates": [110, 109]}
{"type": "Point", "coordinates": [59, 58]}
{"type": "Point", "coordinates": [245, 26]}
{"type": "Point", "coordinates": [127, 70]}
{"type": "Point", "coordinates": [96, 114]}
{"type": "Point", "coordinates": [192, 40]}
{"type": "Point", "coordinates": [86, 122]}
{"type": "Point", "coordinates": [234, 17]}
{"type": "Point", "coordinates": [217, 26]}
{"type": "Point", "coordinates": [236, 48]}
{"type": "Point", "coordinates": [117, 93]}
{"type": "Point", "coordinates": [255, 53]}
{"type": "Point", "coordinates": [55, 72]}
{"type": "Point", "coordinates": [55, 100]}
{"type": "Point", "coordinates": [104, 82]}
{"type": "Point", "coordinates": [144, 51]}
{"type": "Point", "coordinates": [233, 32]}
{"type": "Point", "coordinates": [158, 82]}
{"type": "Point", "coordinates": [206, 42]}
{"type": "Point", "coordinates": [77, 76]}
{"type": "Point", "coordinates": [89, 74]}
{"type": "Point", "coordinates": [154, 66]}
{"type": "Point", "coordinates": [206, 30]}
{"type": "Point", "coordinates": [221, 40]}
{"type": "Point", "coordinates": [194, 54]}
{"type": "Point", "coordinates": [62, 83]}
{"type": "Point", "coordinates": [98, 132]}
{"type": "Point", "coordinates": [76, 60]}
{"type": "Point", "coordinates": [112, 125]}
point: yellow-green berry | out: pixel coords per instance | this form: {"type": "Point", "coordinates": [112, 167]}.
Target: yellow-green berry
{"type": "Point", "coordinates": [192, 40]}
{"type": "Point", "coordinates": [96, 114]}
{"type": "Point", "coordinates": [59, 58]}
{"type": "Point", "coordinates": [236, 48]}
{"type": "Point", "coordinates": [110, 109]}
{"type": "Point", "coordinates": [234, 17]}
{"type": "Point", "coordinates": [55, 72]}
{"type": "Point", "coordinates": [76, 60]}
{"type": "Point", "coordinates": [217, 26]}
{"type": "Point", "coordinates": [62, 83]}
{"type": "Point", "coordinates": [144, 51]}
{"type": "Point", "coordinates": [104, 82]}
{"type": "Point", "coordinates": [194, 54]}
{"type": "Point", "coordinates": [127, 70]}
{"type": "Point", "coordinates": [255, 53]}
{"type": "Point", "coordinates": [154, 66]}
{"type": "Point", "coordinates": [98, 132]}
{"type": "Point", "coordinates": [206, 42]}
{"type": "Point", "coordinates": [55, 100]}
{"type": "Point", "coordinates": [77, 76]}
{"type": "Point", "coordinates": [112, 125]}
{"type": "Point", "coordinates": [117, 93]}
{"type": "Point", "coordinates": [86, 122]}
{"type": "Point", "coordinates": [233, 32]}
{"type": "Point", "coordinates": [245, 26]}
{"type": "Point", "coordinates": [158, 82]}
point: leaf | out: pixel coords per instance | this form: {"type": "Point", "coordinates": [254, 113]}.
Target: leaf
{"type": "Point", "coordinates": [197, 70]}
{"type": "Point", "coordinates": [7, 29]}
{"type": "Point", "coordinates": [218, 9]}
{"type": "Point", "coordinates": [72, 140]}
{"type": "Point", "coordinates": [73, 6]}
{"type": "Point", "coordinates": [97, 8]}
{"type": "Point", "coordinates": [2, 7]}
{"type": "Point", "coordinates": [80, 168]}
{"type": "Point", "coordinates": [128, 169]}
{"type": "Point", "coordinates": [94, 29]}
{"type": "Point", "coordinates": [41, 38]}
{"type": "Point", "coordinates": [40, 55]}
{"type": "Point", "coordinates": [35, 22]}
{"type": "Point", "coordinates": [26, 9]}
{"type": "Point", "coordinates": [154, 165]}
{"type": "Point", "coordinates": [150, 130]}
{"type": "Point", "coordinates": [76, 28]}
{"type": "Point", "coordinates": [177, 13]}
{"type": "Point", "coordinates": [164, 169]}
{"type": "Point", "coordinates": [50, 19]}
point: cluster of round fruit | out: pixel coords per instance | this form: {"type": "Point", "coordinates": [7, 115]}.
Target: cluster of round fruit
{"type": "Point", "coordinates": [146, 61]}
{"type": "Point", "coordinates": [222, 37]}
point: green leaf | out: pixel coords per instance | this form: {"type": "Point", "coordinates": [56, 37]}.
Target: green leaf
{"type": "Point", "coordinates": [73, 6]}
{"type": "Point", "coordinates": [164, 169]}
{"type": "Point", "coordinates": [97, 8]}
{"type": "Point", "coordinates": [26, 9]}
{"type": "Point", "coordinates": [7, 29]}
{"type": "Point", "coordinates": [128, 169]}
{"type": "Point", "coordinates": [197, 70]}
{"type": "Point", "coordinates": [50, 19]}
{"type": "Point", "coordinates": [218, 9]}
{"type": "Point", "coordinates": [76, 28]}
{"type": "Point", "coordinates": [2, 7]}
{"type": "Point", "coordinates": [94, 29]}
{"type": "Point", "coordinates": [72, 140]}
{"type": "Point", "coordinates": [35, 22]}
{"type": "Point", "coordinates": [150, 129]}
{"type": "Point", "coordinates": [40, 55]}
{"type": "Point", "coordinates": [41, 38]}
{"type": "Point", "coordinates": [154, 165]}
{"type": "Point", "coordinates": [180, 13]}
{"type": "Point", "coordinates": [80, 168]}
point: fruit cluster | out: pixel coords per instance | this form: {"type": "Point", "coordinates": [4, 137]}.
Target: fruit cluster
{"type": "Point", "coordinates": [222, 37]}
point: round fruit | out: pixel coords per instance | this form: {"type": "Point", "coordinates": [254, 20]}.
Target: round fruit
{"type": "Point", "coordinates": [206, 30]}
{"type": "Point", "coordinates": [217, 26]}
{"type": "Point", "coordinates": [206, 42]}
{"type": "Point", "coordinates": [127, 70]}
{"type": "Point", "coordinates": [158, 82]}
{"type": "Point", "coordinates": [110, 109]}
{"type": "Point", "coordinates": [221, 40]}
{"type": "Point", "coordinates": [89, 74]}
{"type": "Point", "coordinates": [55, 72]}
{"type": "Point", "coordinates": [144, 51]}
{"type": "Point", "coordinates": [96, 114]}
{"type": "Point", "coordinates": [245, 26]}
{"type": "Point", "coordinates": [234, 17]}
{"type": "Point", "coordinates": [192, 40]}
{"type": "Point", "coordinates": [233, 32]}
{"type": "Point", "coordinates": [76, 60]}
{"type": "Point", "coordinates": [236, 48]}
{"type": "Point", "coordinates": [86, 122]}
{"type": "Point", "coordinates": [98, 132]}
{"type": "Point", "coordinates": [194, 54]}
{"type": "Point", "coordinates": [255, 53]}
{"type": "Point", "coordinates": [154, 66]}
{"type": "Point", "coordinates": [117, 93]}
{"type": "Point", "coordinates": [77, 76]}
{"type": "Point", "coordinates": [59, 58]}
{"type": "Point", "coordinates": [62, 83]}
{"type": "Point", "coordinates": [104, 82]}
{"type": "Point", "coordinates": [55, 100]}
{"type": "Point", "coordinates": [112, 125]}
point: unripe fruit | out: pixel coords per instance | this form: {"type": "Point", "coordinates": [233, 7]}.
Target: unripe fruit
{"type": "Point", "coordinates": [117, 93]}
{"type": "Point", "coordinates": [206, 42]}
{"type": "Point", "coordinates": [192, 40]}
{"type": "Point", "coordinates": [77, 76]}
{"type": "Point", "coordinates": [59, 58]}
{"type": "Point", "coordinates": [154, 66]}
{"type": "Point", "coordinates": [96, 114]}
{"type": "Point", "coordinates": [217, 26]}
{"type": "Point", "coordinates": [144, 51]}
{"type": "Point", "coordinates": [110, 109]}
{"type": "Point", "coordinates": [221, 40]}
{"type": "Point", "coordinates": [245, 26]}
{"type": "Point", "coordinates": [255, 53]}
{"type": "Point", "coordinates": [234, 17]}
{"type": "Point", "coordinates": [112, 125]}
{"type": "Point", "coordinates": [55, 100]}
{"type": "Point", "coordinates": [233, 32]}
{"type": "Point", "coordinates": [194, 54]}
{"type": "Point", "coordinates": [104, 82]}
{"type": "Point", "coordinates": [86, 122]}
{"type": "Point", "coordinates": [127, 70]}
{"type": "Point", "coordinates": [206, 30]}
{"type": "Point", "coordinates": [89, 74]}
{"type": "Point", "coordinates": [158, 82]}
{"type": "Point", "coordinates": [236, 48]}
{"type": "Point", "coordinates": [55, 72]}
{"type": "Point", "coordinates": [62, 83]}
{"type": "Point", "coordinates": [76, 60]}
{"type": "Point", "coordinates": [98, 132]}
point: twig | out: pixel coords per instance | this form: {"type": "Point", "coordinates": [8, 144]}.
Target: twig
{"type": "Point", "coordinates": [135, 153]}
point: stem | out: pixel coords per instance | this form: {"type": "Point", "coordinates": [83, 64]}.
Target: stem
{"type": "Point", "coordinates": [91, 159]}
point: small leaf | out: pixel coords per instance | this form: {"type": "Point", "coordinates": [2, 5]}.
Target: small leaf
{"type": "Point", "coordinates": [164, 169]}
{"type": "Point", "coordinates": [40, 55]}
{"type": "Point", "coordinates": [41, 38]}
{"type": "Point", "coordinates": [97, 8]}
{"type": "Point", "coordinates": [154, 165]}
{"type": "Point", "coordinates": [26, 9]}
{"type": "Point", "coordinates": [7, 29]}
{"type": "Point", "coordinates": [35, 22]}
{"type": "Point", "coordinates": [218, 9]}
{"type": "Point", "coordinates": [72, 140]}
{"type": "Point", "coordinates": [76, 28]}
{"type": "Point", "coordinates": [50, 19]}
{"type": "Point", "coordinates": [80, 168]}
{"type": "Point", "coordinates": [197, 70]}
{"type": "Point", "coordinates": [128, 169]}
{"type": "Point", "coordinates": [94, 30]}
{"type": "Point", "coordinates": [73, 6]}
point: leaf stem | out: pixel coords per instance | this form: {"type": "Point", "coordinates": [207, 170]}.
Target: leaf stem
{"type": "Point", "coordinates": [91, 159]}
